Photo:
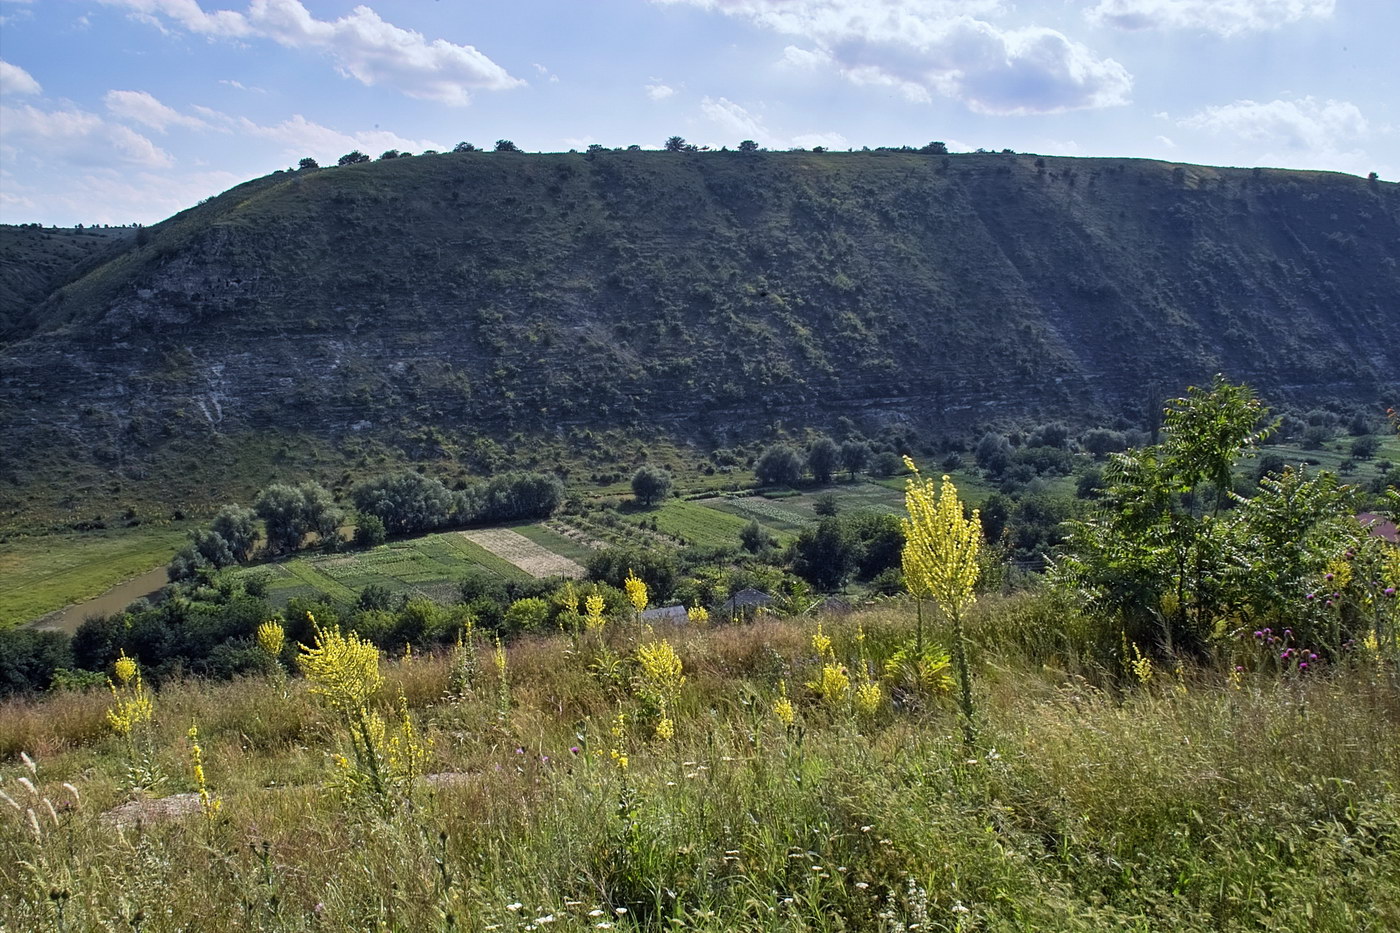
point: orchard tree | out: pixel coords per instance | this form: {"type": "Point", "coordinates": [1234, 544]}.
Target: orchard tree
{"type": "Point", "coordinates": [239, 527]}
{"type": "Point", "coordinates": [854, 456]}
{"type": "Point", "coordinates": [779, 465]}
{"type": "Point", "coordinates": [650, 484]}
{"type": "Point", "coordinates": [823, 457]}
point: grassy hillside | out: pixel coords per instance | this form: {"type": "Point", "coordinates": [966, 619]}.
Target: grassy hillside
{"type": "Point", "coordinates": [1093, 800]}
{"type": "Point", "coordinates": [34, 262]}
{"type": "Point", "coordinates": [475, 307]}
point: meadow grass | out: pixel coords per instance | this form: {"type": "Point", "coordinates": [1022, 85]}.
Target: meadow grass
{"type": "Point", "coordinates": [44, 573]}
{"type": "Point", "coordinates": [1187, 802]}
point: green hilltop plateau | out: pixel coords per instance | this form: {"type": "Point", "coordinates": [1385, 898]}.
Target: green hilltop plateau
{"type": "Point", "coordinates": [474, 306]}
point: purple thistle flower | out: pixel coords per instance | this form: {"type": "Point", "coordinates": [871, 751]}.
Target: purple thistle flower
{"type": "Point", "coordinates": [1303, 665]}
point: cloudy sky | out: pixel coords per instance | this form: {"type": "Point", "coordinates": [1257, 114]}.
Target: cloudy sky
{"type": "Point", "coordinates": [119, 111]}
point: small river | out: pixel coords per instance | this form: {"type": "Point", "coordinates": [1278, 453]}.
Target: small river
{"type": "Point", "coordinates": [114, 600]}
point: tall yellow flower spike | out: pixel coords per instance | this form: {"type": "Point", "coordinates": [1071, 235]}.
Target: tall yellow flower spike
{"type": "Point", "coordinates": [593, 608]}
{"type": "Point", "coordinates": [271, 638]}
{"type": "Point", "coordinates": [131, 704]}
{"type": "Point", "coordinates": [636, 591]}
{"type": "Point", "coordinates": [342, 669]}
{"type": "Point", "coordinates": [208, 803]}
{"type": "Point", "coordinates": [940, 563]}
{"type": "Point", "coordinates": [941, 547]}
{"type": "Point", "coordinates": [125, 669]}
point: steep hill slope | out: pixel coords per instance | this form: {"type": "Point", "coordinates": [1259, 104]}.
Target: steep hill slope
{"type": "Point", "coordinates": [35, 261]}
{"type": "Point", "coordinates": [498, 294]}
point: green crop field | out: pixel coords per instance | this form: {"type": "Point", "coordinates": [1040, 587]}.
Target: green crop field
{"type": "Point", "coordinates": [431, 566]}
{"type": "Point", "coordinates": [693, 523]}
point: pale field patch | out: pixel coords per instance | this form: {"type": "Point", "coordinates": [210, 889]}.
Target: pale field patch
{"type": "Point", "coordinates": [537, 561]}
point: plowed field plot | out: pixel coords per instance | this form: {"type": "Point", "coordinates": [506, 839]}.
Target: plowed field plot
{"type": "Point", "coordinates": [530, 557]}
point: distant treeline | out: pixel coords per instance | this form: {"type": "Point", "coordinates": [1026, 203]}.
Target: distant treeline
{"type": "Point", "coordinates": [401, 503]}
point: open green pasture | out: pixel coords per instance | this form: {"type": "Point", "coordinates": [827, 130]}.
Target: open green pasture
{"type": "Point", "coordinates": [43, 573]}
{"type": "Point", "coordinates": [430, 566]}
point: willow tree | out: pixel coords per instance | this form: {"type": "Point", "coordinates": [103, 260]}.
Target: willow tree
{"type": "Point", "coordinates": [940, 564]}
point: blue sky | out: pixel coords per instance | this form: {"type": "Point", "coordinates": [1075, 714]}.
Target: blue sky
{"type": "Point", "coordinates": [119, 111]}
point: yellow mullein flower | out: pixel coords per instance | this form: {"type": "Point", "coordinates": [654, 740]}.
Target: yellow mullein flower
{"type": "Point", "coordinates": [821, 643]}
{"type": "Point", "coordinates": [665, 730]}
{"type": "Point", "coordinates": [868, 698]}
{"type": "Point", "coordinates": [940, 551]}
{"type": "Point", "coordinates": [131, 704]}
{"type": "Point", "coordinates": [593, 608]}
{"type": "Point", "coordinates": [569, 599]}
{"type": "Point", "coordinates": [207, 803]}
{"type": "Point", "coordinates": [832, 685]}
{"type": "Point", "coordinates": [343, 670]}
{"type": "Point", "coordinates": [619, 738]}
{"type": "Point", "coordinates": [698, 615]}
{"type": "Point", "coordinates": [125, 669]}
{"type": "Point", "coordinates": [940, 563]}
{"type": "Point", "coordinates": [271, 638]}
{"type": "Point", "coordinates": [636, 591]}
{"type": "Point", "coordinates": [1141, 666]}
{"type": "Point", "coordinates": [782, 707]}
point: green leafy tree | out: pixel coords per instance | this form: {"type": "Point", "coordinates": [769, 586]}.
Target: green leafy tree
{"type": "Point", "coordinates": [405, 502]}
{"type": "Point", "coordinates": [1155, 553]}
{"type": "Point", "coordinates": [779, 465]}
{"type": "Point", "coordinates": [651, 484]}
{"type": "Point", "coordinates": [505, 145]}
{"type": "Point", "coordinates": [353, 157]}
{"type": "Point", "coordinates": [239, 527]}
{"type": "Point", "coordinates": [854, 456]}
{"type": "Point", "coordinates": [464, 147]}
{"type": "Point", "coordinates": [678, 144]}
{"type": "Point", "coordinates": [369, 530]}
{"type": "Point", "coordinates": [826, 554]}
{"type": "Point", "coordinates": [823, 458]}
{"type": "Point", "coordinates": [307, 164]}
{"type": "Point", "coordinates": [748, 145]}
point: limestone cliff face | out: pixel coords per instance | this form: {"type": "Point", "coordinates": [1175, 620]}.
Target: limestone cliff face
{"type": "Point", "coordinates": [496, 293]}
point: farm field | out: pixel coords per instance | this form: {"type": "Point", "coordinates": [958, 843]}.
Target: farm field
{"type": "Point", "coordinates": [42, 574]}
{"type": "Point", "coordinates": [430, 566]}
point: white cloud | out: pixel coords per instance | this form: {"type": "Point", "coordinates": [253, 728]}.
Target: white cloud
{"type": "Point", "coordinates": [15, 80]}
{"type": "Point", "coordinates": [187, 13]}
{"type": "Point", "coordinates": [107, 196]}
{"type": "Point", "coordinates": [239, 85]}
{"type": "Point", "coordinates": [299, 136]}
{"type": "Point", "coordinates": [925, 47]}
{"type": "Point", "coordinates": [659, 91]}
{"type": "Point", "coordinates": [1165, 141]}
{"type": "Point", "coordinates": [1305, 124]}
{"type": "Point", "coordinates": [362, 45]}
{"type": "Point", "coordinates": [828, 140]}
{"type": "Point", "coordinates": [1224, 17]}
{"type": "Point", "coordinates": [142, 108]}
{"type": "Point", "coordinates": [805, 58]}
{"type": "Point", "coordinates": [734, 120]}
{"type": "Point", "coordinates": [76, 137]}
